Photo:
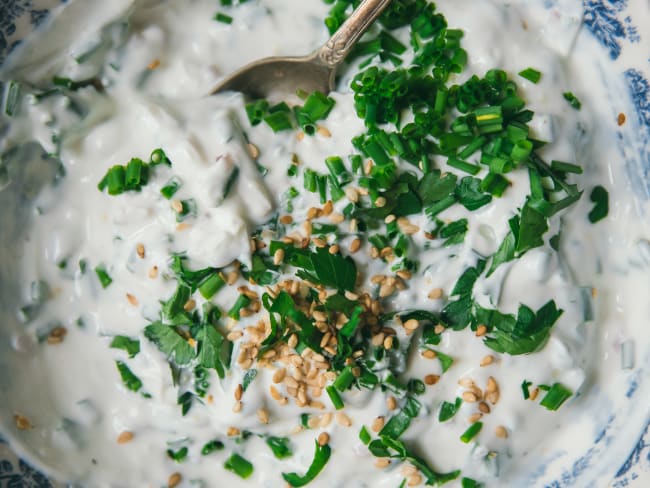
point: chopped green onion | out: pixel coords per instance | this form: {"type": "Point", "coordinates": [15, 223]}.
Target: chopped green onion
{"type": "Point", "coordinates": [471, 432]}
{"type": "Point", "coordinates": [525, 389]}
{"type": "Point", "coordinates": [242, 302]}
{"type": "Point", "coordinates": [131, 381]}
{"type": "Point", "coordinates": [531, 75]}
{"type": "Point", "coordinates": [223, 18]}
{"type": "Point", "coordinates": [256, 111]}
{"type": "Point", "coordinates": [12, 98]}
{"type": "Point", "coordinates": [170, 188]}
{"type": "Point", "coordinates": [238, 465]}
{"type": "Point", "coordinates": [178, 456]}
{"type": "Point", "coordinates": [334, 395]}
{"type": "Point", "coordinates": [279, 121]}
{"type": "Point", "coordinates": [573, 100]}
{"type": "Point", "coordinates": [600, 197]}
{"type": "Point", "coordinates": [279, 446]}
{"type": "Point", "coordinates": [211, 285]}
{"type": "Point", "coordinates": [317, 106]}
{"type": "Point", "coordinates": [321, 457]}
{"type": "Point", "coordinates": [463, 166]}
{"type": "Point", "coordinates": [562, 167]}
{"type": "Point", "coordinates": [211, 447]}
{"type": "Point", "coordinates": [555, 396]}
{"type": "Point", "coordinates": [131, 346]}
{"type": "Point", "coordinates": [158, 156]}
{"type": "Point", "coordinates": [448, 410]}
{"type": "Point", "coordinates": [104, 277]}
{"type": "Point", "coordinates": [310, 180]}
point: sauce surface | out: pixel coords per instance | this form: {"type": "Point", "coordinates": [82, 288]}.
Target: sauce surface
{"type": "Point", "coordinates": [94, 424]}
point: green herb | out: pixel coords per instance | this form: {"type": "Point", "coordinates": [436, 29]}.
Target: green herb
{"type": "Point", "coordinates": [211, 285]}
{"type": "Point", "coordinates": [178, 456]}
{"type": "Point", "coordinates": [131, 381]}
{"type": "Point", "coordinates": [445, 361]}
{"type": "Point", "coordinates": [213, 349]}
{"type": "Point", "coordinates": [250, 375]}
{"type": "Point", "coordinates": [573, 100]}
{"type": "Point", "coordinates": [448, 410]}
{"type": "Point", "coordinates": [221, 17]}
{"type": "Point", "coordinates": [279, 121]}
{"type": "Point", "coordinates": [242, 302]}
{"type": "Point", "coordinates": [525, 389]}
{"type": "Point", "coordinates": [280, 447]}
{"type": "Point", "coordinates": [364, 436]}
{"type": "Point", "coordinates": [131, 346]}
{"type": "Point", "coordinates": [399, 422]}
{"type": "Point", "coordinates": [170, 188]}
{"type": "Point", "coordinates": [469, 483]}
{"type": "Point", "coordinates": [471, 432]}
{"type": "Point", "coordinates": [321, 456]}
{"type": "Point", "coordinates": [103, 276]}
{"type": "Point", "coordinates": [170, 342]}
{"type": "Point", "coordinates": [531, 75]}
{"type": "Point", "coordinates": [12, 98]}
{"type": "Point", "coordinates": [335, 397]}
{"type": "Point", "coordinates": [453, 232]}
{"type": "Point", "coordinates": [238, 465]}
{"type": "Point", "coordinates": [211, 447]}
{"type": "Point", "coordinates": [555, 396]}
{"type": "Point", "coordinates": [330, 270]}
{"type": "Point", "coordinates": [600, 197]}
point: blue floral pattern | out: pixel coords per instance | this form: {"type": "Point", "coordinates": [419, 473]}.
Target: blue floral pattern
{"type": "Point", "coordinates": [605, 19]}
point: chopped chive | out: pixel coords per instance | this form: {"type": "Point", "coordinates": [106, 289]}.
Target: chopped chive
{"type": "Point", "coordinates": [525, 389]}
{"type": "Point", "coordinates": [211, 447]}
{"type": "Point", "coordinates": [178, 456]}
{"type": "Point", "coordinates": [573, 100]}
{"type": "Point", "coordinates": [104, 277]}
{"type": "Point", "coordinates": [256, 111]}
{"type": "Point", "coordinates": [531, 75]}
{"type": "Point", "coordinates": [463, 166]}
{"type": "Point", "coordinates": [158, 156]}
{"type": "Point", "coordinates": [278, 121]}
{"type": "Point", "coordinates": [600, 197]}
{"type": "Point", "coordinates": [562, 167]}
{"type": "Point", "coordinates": [310, 180]}
{"type": "Point", "coordinates": [337, 169]}
{"type": "Point", "coordinates": [223, 18]}
{"type": "Point", "coordinates": [521, 150]}
{"type": "Point", "coordinates": [279, 446]}
{"type": "Point", "coordinates": [238, 465]}
{"type": "Point", "coordinates": [317, 106]}
{"type": "Point", "coordinates": [12, 98]}
{"type": "Point", "coordinates": [321, 456]}
{"type": "Point", "coordinates": [344, 380]}
{"type": "Point", "coordinates": [115, 181]}
{"type": "Point", "coordinates": [242, 302]}
{"type": "Point", "coordinates": [471, 432]}
{"type": "Point", "coordinates": [211, 285]}
{"type": "Point", "coordinates": [556, 396]}
{"type": "Point", "coordinates": [334, 395]}
{"type": "Point", "coordinates": [170, 188]}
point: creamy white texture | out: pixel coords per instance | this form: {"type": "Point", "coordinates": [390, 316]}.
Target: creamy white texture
{"type": "Point", "coordinates": [204, 138]}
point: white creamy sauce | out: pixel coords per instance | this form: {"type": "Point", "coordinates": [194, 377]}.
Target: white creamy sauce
{"type": "Point", "coordinates": [75, 383]}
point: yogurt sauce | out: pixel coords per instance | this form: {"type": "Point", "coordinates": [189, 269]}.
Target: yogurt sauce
{"type": "Point", "coordinates": [77, 404]}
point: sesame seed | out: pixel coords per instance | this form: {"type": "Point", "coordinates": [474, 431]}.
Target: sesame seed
{"type": "Point", "coordinates": [139, 249]}
{"type": "Point", "coordinates": [300, 136]}
{"type": "Point", "coordinates": [325, 419]}
{"type": "Point", "coordinates": [124, 437]}
{"type": "Point", "coordinates": [487, 360]}
{"type": "Point", "coordinates": [318, 242]}
{"type": "Point", "coordinates": [620, 120]}
{"type": "Point", "coordinates": [431, 379]}
{"type": "Point", "coordinates": [351, 194]}
{"type": "Point", "coordinates": [388, 342]}
{"type": "Point", "coordinates": [415, 480]}
{"type": "Point", "coordinates": [391, 403]}
{"type": "Point", "coordinates": [389, 219]}
{"type": "Point", "coordinates": [263, 415]}
{"type": "Point", "coordinates": [501, 432]}
{"type": "Point", "coordinates": [286, 219]}
{"type": "Point", "coordinates": [466, 382]}
{"type": "Point", "coordinates": [279, 375]}
{"type": "Point", "coordinates": [493, 397]}
{"type": "Point", "coordinates": [411, 324]}
{"type": "Point", "coordinates": [534, 393]}
{"type": "Point", "coordinates": [492, 384]}
{"type": "Point", "coordinates": [334, 249]}
{"type": "Point", "coordinates": [278, 256]}
{"type": "Point", "coordinates": [132, 299]}
{"type": "Point", "coordinates": [22, 422]}
{"type": "Point", "coordinates": [439, 329]}
{"type": "Point", "coordinates": [469, 397]}
{"type": "Point", "coordinates": [435, 294]}
{"type": "Point", "coordinates": [386, 291]}
{"type": "Point", "coordinates": [323, 439]}
{"type": "Point", "coordinates": [382, 462]}
{"type": "Point", "coordinates": [236, 408]}
{"type": "Point", "coordinates": [189, 305]}
{"type": "Point", "coordinates": [343, 419]}
{"type": "Point", "coordinates": [174, 480]}
{"type": "Point", "coordinates": [380, 202]}
{"type": "Point", "coordinates": [472, 419]}
{"type": "Point", "coordinates": [153, 272]}
{"type": "Point", "coordinates": [239, 391]}
{"type": "Point", "coordinates": [481, 330]}
{"type": "Point", "coordinates": [313, 213]}
{"type": "Point", "coordinates": [328, 208]}
{"type": "Point", "coordinates": [56, 335]}
{"type": "Point", "coordinates": [153, 64]}
{"type": "Point", "coordinates": [484, 407]}
{"type": "Point", "coordinates": [253, 151]}
{"type": "Point", "coordinates": [378, 424]}
{"type": "Point", "coordinates": [232, 431]}
{"type": "Point", "coordinates": [337, 218]}
{"type": "Point", "coordinates": [177, 206]}
{"type": "Point", "coordinates": [405, 274]}
{"type": "Point", "coordinates": [323, 131]}
{"type": "Point", "coordinates": [368, 167]}
{"type": "Point", "coordinates": [275, 394]}
{"type": "Point", "coordinates": [234, 335]}
{"type": "Point", "coordinates": [429, 354]}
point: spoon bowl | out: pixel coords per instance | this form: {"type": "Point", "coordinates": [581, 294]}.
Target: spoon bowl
{"type": "Point", "coordinates": [280, 75]}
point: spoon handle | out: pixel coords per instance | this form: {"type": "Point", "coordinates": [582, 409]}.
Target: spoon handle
{"type": "Point", "coordinates": [339, 45]}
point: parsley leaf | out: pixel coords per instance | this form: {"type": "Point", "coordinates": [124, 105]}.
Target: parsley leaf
{"type": "Point", "coordinates": [469, 194]}
{"type": "Point", "coordinates": [131, 381]}
{"type": "Point", "coordinates": [169, 342]}
{"type": "Point", "coordinates": [279, 446]}
{"type": "Point", "coordinates": [331, 270]}
{"type": "Point", "coordinates": [131, 346]}
{"type": "Point", "coordinates": [399, 422]}
{"type": "Point", "coordinates": [448, 410]}
{"type": "Point", "coordinates": [213, 350]}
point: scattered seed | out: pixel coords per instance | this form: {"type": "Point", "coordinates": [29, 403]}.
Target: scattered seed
{"type": "Point", "coordinates": [337, 218]}
{"type": "Point", "coordinates": [439, 329]}
{"type": "Point", "coordinates": [415, 480]}
{"type": "Point", "coordinates": [388, 342]}
{"type": "Point", "coordinates": [132, 299]}
{"type": "Point", "coordinates": [56, 335]}
{"type": "Point", "coordinates": [323, 131]}
{"type": "Point", "coordinates": [325, 420]}
{"type": "Point", "coordinates": [620, 120]}
{"type": "Point", "coordinates": [177, 206]}
{"type": "Point", "coordinates": [429, 354]}
{"type": "Point", "coordinates": [343, 419]}
{"type": "Point", "coordinates": [236, 408]}
{"type": "Point", "coordinates": [234, 335]}
{"type": "Point", "coordinates": [380, 202]}
{"type": "Point", "coordinates": [472, 419]}
{"type": "Point", "coordinates": [323, 439]}
{"type": "Point", "coordinates": [431, 379]}
{"type": "Point", "coordinates": [239, 391]}
{"type": "Point", "coordinates": [466, 382]}
{"type": "Point", "coordinates": [391, 403]}
{"type": "Point", "coordinates": [139, 249]}
{"type": "Point", "coordinates": [378, 424]}
{"type": "Point", "coordinates": [334, 249]}
{"type": "Point", "coordinates": [492, 384]}
{"type": "Point", "coordinates": [286, 219]}
{"type": "Point", "coordinates": [435, 294]}
{"type": "Point", "coordinates": [278, 257]}
{"type": "Point", "coordinates": [253, 151]}
{"type": "Point", "coordinates": [263, 415]}
{"type": "Point", "coordinates": [487, 360]}
{"type": "Point", "coordinates": [382, 462]}
{"type": "Point", "coordinates": [153, 272]}
{"type": "Point", "coordinates": [534, 393]}
{"type": "Point", "coordinates": [351, 194]}
{"type": "Point", "coordinates": [501, 432]}
{"type": "Point", "coordinates": [124, 437]}
{"type": "Point", "coordinates": [174, 480]}
{"type": "Point", "coordinates": [484, 407]}
{"type": "Point", "coordinates": [189, 305]}
{"type": "Point", "coordinates": [481, 330]}
{"type": "Point", "coordinates": [469, 397]}
{"type": "Point", "coordinates": [411, 324]}
{"type": "Point", "coordinates": [405, 274]}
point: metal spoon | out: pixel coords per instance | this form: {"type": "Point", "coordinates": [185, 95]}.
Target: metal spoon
{"type": "Point", "coordinates": [282, 74]}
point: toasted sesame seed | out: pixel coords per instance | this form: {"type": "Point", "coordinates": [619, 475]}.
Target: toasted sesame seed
{"type": "Point", "coordinates": [391, 402]}
{"type": "Point", "coordinates": [492, 385]}
{"type": "Point", "coordinates": [236, 408]}
{"type": "Point", "coordinates": [189, 305]}
{"type": "Point", "coordinates": [429, 354]}
{"type": "Point", "coordinates": [232, 431]}
{"type": "Point", "coordinates": [124, 437]}
{"type": "Point", "coordinates": [408, 470]}
{"type": "Point", "coordinates": [378, 424]}
{"type": "Point", "coordinates": [57, 335]}
{"type": "Point", "coordinates": [382, 462]}
{"type": "Point", "coordinates": [386, 291]}
{"type": "Point", "coordinates": [239, 391]}
{"type": "Point", "coordinates": [278, 256]}
{"type": "Point", "coordinates": [415, 480]}
{"type": "Point", "coordinates": [286, 219]}
{"type": "Point", "coordinates": [279, 375]}
{"type": "Point", "coordinates": [431, 379]}
{"type": "Point", "coordinates": [334, 249]}
{"type": "Point", "coordinates": [275, 394]}
{"type": "Point", "coordinates": [378, 339]}
{"type": "Point", "coordinates": [481, 330]}
{"type": "Point", "coordinates": [435, 294]}
{"type": "Point", "coordinates": [174, 480]}
{"type": "Point", "coordinates": [323, 439]}
{"type": "Point", "coordinates": [337, 218]}
{"type": "Point", "coordinates": [325, 419]}
{"type": "Point", "coordinates": [472, 419]}
{"type": "Point", "coordinates": [139, 249]}
{"type": "Point", "coordinates": [389, 219]}
{"type": "Point", "coordinates": [466, 382]}
{"type": "Point", "coordinates": [501, 432]}
{"type": "Point", "coordinates": [132, 299]}
{"type": "Point", "coordinates": [177, 206]}
{"type": "Point", "coordinates": [534, 393]}
{"type": "Point", "coordinates": [411, 324]}
{"type": "Point", "coordinates": [313, 213]}
{"type": "Point", "coordinates": [153, 64]}
{"type": "Point", "coordinates": [253, 151]}
{"type": "Point", "coordinates": [368, 167]}
{"type": "Point", "coordinates": [234, 335]}
{"type": "Point", "coordinates": [405, 274]}
{"type": "Point", "coordinates": [388, 342]}
{"type": "Point", "coordinates": [22, 422]}
{"type": "Point", "coordinates": [323, 131]}
{"type": "Point", "coordinates": [343, 419]}
{"type": "Point", "coordinates": [263, 415]}
{"type": "Point", "coordinates": [487, 360]}
{"type": "Point", "coordinates": [469, 397]}
{"type": "Point", "coordinates": [620, 120]}
{"type": "Point", "coordinates": [153, 272]}
{"type": "Point", "coordinates": [493, 397]}
{"type": "Point", "coordinates": [380, 202]}
{"type": "Point", "coordinates": [351, 194]}
{"type": "Point", "coordinates": [439, 329]}
{"type": "Point", "coordinates": [484, 407]}
{"type": "Point", "coordinates": [355, 245]}
{"type": "Point", "coordinates": [328, 208]}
